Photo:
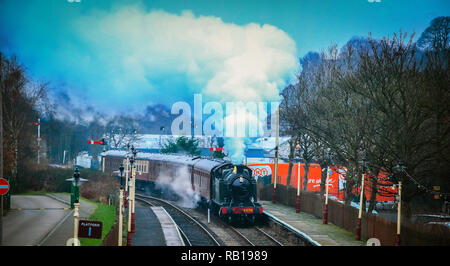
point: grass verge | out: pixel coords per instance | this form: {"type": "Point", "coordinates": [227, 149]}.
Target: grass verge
{"type": "Point", "coordinates": [105, 214]}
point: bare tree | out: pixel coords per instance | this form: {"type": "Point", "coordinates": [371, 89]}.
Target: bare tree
{"type": "Point", "coordinates": [122, 131]}
{"type": "Point", "coordinates": [20, 101]}
{"type": "Point", "coordinates": [435, 37]}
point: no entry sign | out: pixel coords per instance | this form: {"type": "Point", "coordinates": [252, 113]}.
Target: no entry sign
{"type": "Point", "coordinates": [4, 186]}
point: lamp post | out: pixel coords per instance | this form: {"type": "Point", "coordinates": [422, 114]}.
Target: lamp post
{"type": "Point", "coordinates": [133, 173]}
{"type": "Point", "coordinates": [130, 202]}
{"type": "Point", "coordinates": [74, 188]}
{"type": "Point", "coordinates": [75, 197]}
{"type": "Point", "coordinates": [121, 168]}
{"type": "Point", "coordinates": [361, 196]}
{"type": "Point", "coordinates": [126, 180]}
{"type": "Point", "coordinates": [399, 169]}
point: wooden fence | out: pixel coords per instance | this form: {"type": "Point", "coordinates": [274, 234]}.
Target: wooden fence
{"type": "Point", "coordinates": [346, 216]}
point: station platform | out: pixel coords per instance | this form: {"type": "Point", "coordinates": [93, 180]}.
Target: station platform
{"type": "Point", "coordinates": [324, 234]}
{"type": "Point", "coordinates": [154, 227]}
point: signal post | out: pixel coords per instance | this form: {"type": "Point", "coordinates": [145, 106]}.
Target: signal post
{"type": "Point", "coordinates": [274, 195]}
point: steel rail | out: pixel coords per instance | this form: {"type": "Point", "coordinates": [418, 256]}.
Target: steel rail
{"type": "Point", "coordinates": [185, 214]}
{"type": "Point", "coordinates": [269, 236]}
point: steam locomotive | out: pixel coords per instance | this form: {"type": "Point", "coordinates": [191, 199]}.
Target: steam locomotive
{"type": "Point", "coordinates": [228, 190]}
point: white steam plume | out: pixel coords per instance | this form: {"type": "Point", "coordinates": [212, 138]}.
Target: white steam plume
{"type": "Point", "coordinates": [180, 183]}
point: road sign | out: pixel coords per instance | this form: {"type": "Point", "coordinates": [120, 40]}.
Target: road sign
{"type": "Point", "coordinates": [90, 229]}
{"type": "Point", "coordinates": [4, 186]}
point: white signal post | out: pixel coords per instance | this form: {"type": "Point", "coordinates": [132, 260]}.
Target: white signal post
{"type": "Point", "coordinates": [274, 195]}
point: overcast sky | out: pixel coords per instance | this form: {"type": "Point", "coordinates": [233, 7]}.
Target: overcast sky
{"type": "Point", "coordinates": [125, 55]}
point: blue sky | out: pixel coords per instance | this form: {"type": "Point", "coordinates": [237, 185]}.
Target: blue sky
{"type": "Point", "coordinates": [125, 55]}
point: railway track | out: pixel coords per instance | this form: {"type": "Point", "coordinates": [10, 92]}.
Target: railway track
{"type": "Point", "coordinates": [256, 236]}
{"type": "Point", "coordinates": [250, 236]}
{"type": "Point", "coordinates": [192, 232]}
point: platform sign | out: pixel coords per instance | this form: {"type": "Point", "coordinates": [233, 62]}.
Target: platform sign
{"type": "Point", "coordinates": [4, 186]}
{"type": "Point", "coordinates": [89, 229]}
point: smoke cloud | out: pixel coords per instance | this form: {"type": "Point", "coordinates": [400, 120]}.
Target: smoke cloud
{"type": "Point", "coordinates": [128, 57]}
{"type": "Point", "coordinates": [179, 182]}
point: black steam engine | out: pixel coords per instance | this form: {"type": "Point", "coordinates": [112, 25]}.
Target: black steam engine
{"type": "Point", "coordinates": [234, 194]}
{"type": "Point", "coordinates": [229, 190]}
